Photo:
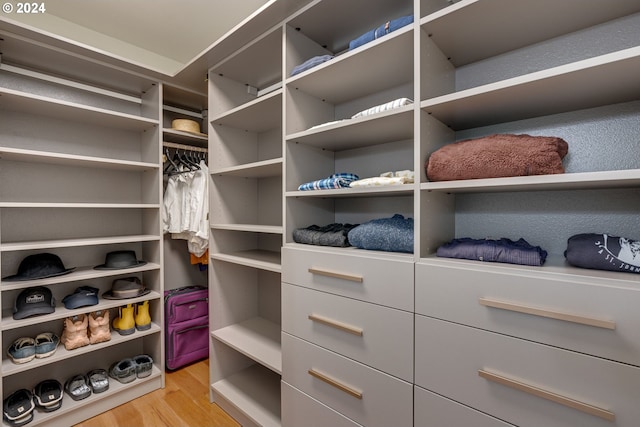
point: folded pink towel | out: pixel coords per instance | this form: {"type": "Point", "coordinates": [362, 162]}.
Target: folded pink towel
{"type": "Point", "coordinates": [496, 156]}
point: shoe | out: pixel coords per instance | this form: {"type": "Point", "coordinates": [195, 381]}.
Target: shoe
{"type": "Point", "coordinates": [144, 365]}
{"type": "Point", "coordinates": [99, 330]}
{"type": "Point", "coordinates": [47, 395]}
{"type": "Point", "coordinates": [98, 380]}
{"type": "Point", "coordinates": [46, 344]}
{"type": "Point", "coordinates": [22, 350]}
{"type": "Point", "coordinates": [123, 371]}
{"type": "Point", "coordinates": [143, 318]}
{"type": "Point", "coordinates": [124, 323]}
{"type": "Point", "coordinates": [74, 334]}
{"type": "Point", "coordinates": [78, 387]}
{"type": "Point", "coordinates": [17, 409]}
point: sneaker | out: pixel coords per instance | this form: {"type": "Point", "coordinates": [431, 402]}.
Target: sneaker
{"type": "Point", "coordinates": [22, 350]}
{"type": "Point", "coordinates": [47, 395]}
{"type": "Point", "coordinates": [144, 365]}
{"type": "Point", "coordinates": [98, 380]}
{"type": "Point", "coordinates": [123, 371]}
{"type": "Point", "coordinates": [46, 344]}
{"type": "Point", "coordinates": [17, 409]}
{"type": "Point", "coordinates": [77, 387]}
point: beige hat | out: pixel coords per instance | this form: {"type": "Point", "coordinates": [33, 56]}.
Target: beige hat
{"type": "Point", "coordinates": [187, 125]}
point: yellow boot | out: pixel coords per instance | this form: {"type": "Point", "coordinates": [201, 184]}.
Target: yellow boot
{"type": "Point", "coordinates": [143, 318]}
{"type": "Point", "coordinates": [124, 323]}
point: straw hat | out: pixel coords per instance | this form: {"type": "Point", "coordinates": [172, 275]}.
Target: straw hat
{"type": "Point", "coordinates": [186, 125]}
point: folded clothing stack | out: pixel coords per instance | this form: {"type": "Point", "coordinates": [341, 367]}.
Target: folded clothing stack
{"type": "Point", "coordinates": [603, 252]}
{"type": "Point", "coordinates": [496, 156]}
{"type": "Point", "coordinates": [397, 103]}
{"type": "Point", "coordinates": [337, 180]}
{"type": "Point", "coordinates": [490, 250]}
{"type": "Point", "coordinates": [329, 235]}
{"type": "Point", "coordinates": [380, 31]}
{"type": "Point", "coordinates": [393, 234]}
{"type": "Point", "coordinates": [310, 63]}
{"type": "Point", "coordinates": [386, 178]}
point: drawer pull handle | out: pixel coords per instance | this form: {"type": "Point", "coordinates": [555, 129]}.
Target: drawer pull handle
{"type": "Point", "coordinates": [558, 315]}
{"type": "Point", "coordinates": [350, 277]}
{"type": "Point", "coordinates": [554, 397]}
{"type": "Point", "coordinates": [322, 377]}
{"type": "Point", "coordinates": [336, 324]}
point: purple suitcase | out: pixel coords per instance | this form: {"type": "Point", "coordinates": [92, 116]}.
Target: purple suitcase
{"type": "Point", "coordinates": [187, 325]}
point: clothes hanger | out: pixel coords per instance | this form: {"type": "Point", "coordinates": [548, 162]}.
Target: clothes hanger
{"type": "Point", "coordinates": [171, 165]}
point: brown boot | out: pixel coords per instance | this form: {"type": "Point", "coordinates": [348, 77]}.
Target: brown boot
{"type": "Point", "coordinates": [99, 330]}
{"type": "Point", "coordinates": [74, 334]}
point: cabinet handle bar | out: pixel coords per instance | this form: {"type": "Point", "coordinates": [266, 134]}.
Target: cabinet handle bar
{"type": "Point", "coordinates": [336, 324]}
{"type": "Point", "coordinates": [558, 315]}
{"type": "Point", "coordinates": [322, 377]}
{"type": "Point", "coordinates": [554, 397]}
{"type": "Point", "coordinates": [328, 273]}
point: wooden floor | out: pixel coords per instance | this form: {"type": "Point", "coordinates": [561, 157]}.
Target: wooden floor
{"type": "Point", "coordinates": [184, 402]}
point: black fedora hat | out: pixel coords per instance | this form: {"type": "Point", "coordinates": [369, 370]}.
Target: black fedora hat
{"type": "Point", "coordinates": [126, 287]}
{"type": "Point", "coordinates": [120, 259]}
{"type": "Point", "coordinates": [39, 266]}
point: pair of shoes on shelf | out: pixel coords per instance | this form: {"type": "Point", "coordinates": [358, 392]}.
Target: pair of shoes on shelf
{"type": "Point", "coordinates": [17, 409]}
{"type": "Point", "coordinates": [127, 370]}
{"type": "Point", "coordinates": [25, 349]}
{"type": "Point", "coordinates": [84, 329]}
{"type": "Point", "coordinates": [47, 395]}
{"type": "Point", "coordinates": [132, 317]}
{"type": "Point", "coordinates": [81, 386]}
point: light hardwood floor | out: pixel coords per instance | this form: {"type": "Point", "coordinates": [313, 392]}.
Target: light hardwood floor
{"type": "Point", "coordinates": [184, 402]}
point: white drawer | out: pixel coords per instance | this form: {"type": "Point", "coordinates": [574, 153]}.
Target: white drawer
{"type": "Point", "coordinates": [377, 336]}
{"type": "Point", "coordinates": [299, 409]}
{"type": "Point", "coordinates": [455, 361]}
{"type": "Point", "coordinates": [377, 277]}
{"type": "Point", "coordinates": [432, 410]}
{"type": "Point", "coordinates": [363, 394]}
{"type": "Point", "coordinates": [569, 312]}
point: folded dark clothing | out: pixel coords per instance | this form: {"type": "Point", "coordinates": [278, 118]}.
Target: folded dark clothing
{"type": "Point", "coordinates": [603, 252]}
{"type": "Point", "coordinates": [489, 250]}
{"type": "Point", "coordinates": [380, 31]}
{"type": "Point", "coordinates": [310, 63]}
{"type": "Point", "coordinates": [328, 235]}
{"type": "Point", "coordinates": [393, 234]}
{"type": "Point", "coordinates": [496, 156]}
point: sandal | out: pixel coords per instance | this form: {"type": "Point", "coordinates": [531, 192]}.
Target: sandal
{"type": "Point", "coordinates": [17, 409]}
{"type": "Point", "coordinates": [46, 344]}
{"type": "Point", "coordinates": [77, 387]}
{"type": "Point", "coordinates": [22, 350]}
{"type": "Point", "coordinates": [47, 395]}
{"type": "Point", "coordinates": [98, 380]}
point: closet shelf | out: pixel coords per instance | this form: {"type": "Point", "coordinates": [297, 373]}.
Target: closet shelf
{"type": "Point", "coordinates": [555, 90]}
{"type": "Point", "coordinates": [10, 368]}
{"type": "Point", "coordinates": [255, 392]}
{"type": "Point", "coordinates": [122, 392]}
{"type": "Point", "coordinates": [80, 273]}
{"type": "Point", "coordinates": [388, 126]}
{"type": "Point", "coordinates": [387, 191]}
{"type": "Point", "coordinates": [566, 181]}
{"type": "Point", "coordinates": [33, 156]}
{"type": "Point", "coordinates": [257, 338]}
{"type": "Point", "coordinates": [184, 137]}
{"type": "Point", "coordinates": [13, 100]}
{"type": "Point", "coordinates": [258, 258]}
{"type": "Point", "coordinates": [460, 30]}
{"type": "Point", "coordinates": [262, 169]}
{"type": "Point", "coordinates": [262, 114]}
{"type": "Point", "coordinates": [383, 64]}
{"type": "Point", "coordinates": [251, 228]}
{"type": "Point", "coordinates": [73, 243]}
{"type": "Point", "coordinates": [79, 205]}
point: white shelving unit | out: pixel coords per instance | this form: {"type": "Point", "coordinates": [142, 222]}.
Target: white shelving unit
{"type": "Point", "coordinates": [80, 176]}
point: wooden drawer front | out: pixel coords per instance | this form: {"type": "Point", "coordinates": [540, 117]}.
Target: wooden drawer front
{"type": "Point", "coordinates": [377, 336]}
{"type": "Point", "coordinates": [363, 394]}
{"type": "Point", "coordinates": [432, 410]}
{"type": "Point", "coordinates": [577, 316]}
{"type": "Point", "coordinates": [535, 384]}
{"type": "Point", "coordinates": [299, 409]}
{"type": "Point", "coordinates": [385, 279]}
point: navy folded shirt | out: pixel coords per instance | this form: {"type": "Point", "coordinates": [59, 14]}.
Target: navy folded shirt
{"type": "Point", "coordinates": [603, 252]}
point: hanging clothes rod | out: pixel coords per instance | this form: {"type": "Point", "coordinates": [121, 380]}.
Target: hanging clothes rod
{"type": "Point", "coordinates": [184, 147]}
